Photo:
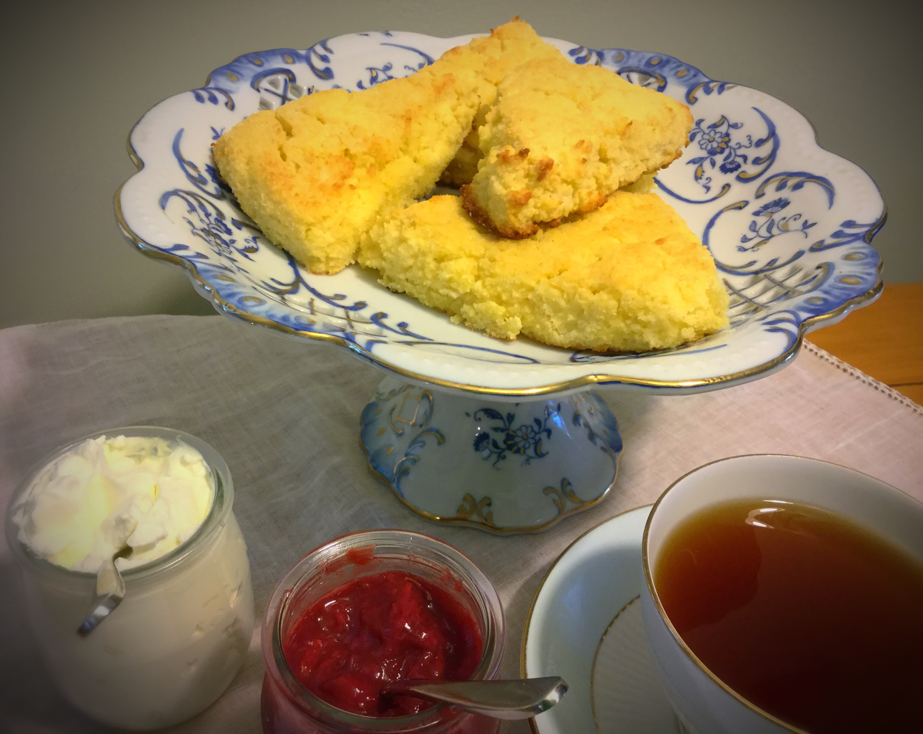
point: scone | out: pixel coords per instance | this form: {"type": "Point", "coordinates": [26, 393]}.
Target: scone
{"type": "Point", "coordinates": [561, 138]}
{"type": "Point", "coordinates": [315, 173]}
{"type": "Point", "coordinates": [490, 58]}
{"type": "Point", "coordinates": [629, 277]}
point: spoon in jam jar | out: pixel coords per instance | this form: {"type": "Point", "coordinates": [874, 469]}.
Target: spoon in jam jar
{"type": "Point", "coordinates": [499, 699]}
{"type": "Point", "coordinates": [110, 590]}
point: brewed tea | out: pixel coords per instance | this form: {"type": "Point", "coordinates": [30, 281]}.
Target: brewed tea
{"type": "Point", "coordinates": [805, 614]}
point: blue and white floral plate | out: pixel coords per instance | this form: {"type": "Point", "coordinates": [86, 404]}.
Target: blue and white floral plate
{"type": "Point", "coordinates": [788, 223]}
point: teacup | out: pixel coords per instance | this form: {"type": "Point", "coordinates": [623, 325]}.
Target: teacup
{"type": "Point", "coordinates": [704, 703]}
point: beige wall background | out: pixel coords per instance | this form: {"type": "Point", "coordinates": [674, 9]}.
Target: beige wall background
{"type": "Point", "coordinates": [78, 75]}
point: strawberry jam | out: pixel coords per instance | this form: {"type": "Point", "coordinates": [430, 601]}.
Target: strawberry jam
{"type": "Point", "coordinates": [377, 629]}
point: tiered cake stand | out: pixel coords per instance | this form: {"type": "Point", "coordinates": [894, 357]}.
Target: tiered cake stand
{"type": "Point", "coordinates": [508, 436]}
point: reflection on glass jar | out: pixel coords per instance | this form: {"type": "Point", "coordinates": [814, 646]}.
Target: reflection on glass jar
{"type": "Point", "coordinates": [177, 639]}
{"type": "Point", "coordinates": [288, 706]}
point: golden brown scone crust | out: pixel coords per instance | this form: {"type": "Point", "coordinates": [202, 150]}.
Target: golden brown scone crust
{"type": "Point", "coordinates": [561, 137]}
{"type": "Point", "coordinates": [628, 277]}
{"type": "Point", "coordinates": [315, 173]}
{"type": "Point", "coordinates": [490, 58]}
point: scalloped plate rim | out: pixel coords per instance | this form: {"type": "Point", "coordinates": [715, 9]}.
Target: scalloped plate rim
{"type": "Point", "coordinates": [586, 380]}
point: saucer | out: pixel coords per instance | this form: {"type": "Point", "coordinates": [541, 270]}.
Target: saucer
{"type": "Point", "coordinates": [625, 692]}
{"type": "Point", "coordinates": [584, 626]}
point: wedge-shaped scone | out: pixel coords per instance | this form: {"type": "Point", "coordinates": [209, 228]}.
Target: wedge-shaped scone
{"type": "Point", "coordinates": [562, 137]}
{"type": "Point", "coordinates": [489, 59]}
{"type": "Point", "coordinates": [628, 277]}
{"type": "Point", "coordinates": [315, 173]}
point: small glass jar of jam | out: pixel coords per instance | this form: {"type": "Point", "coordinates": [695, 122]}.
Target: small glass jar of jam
{"type": "Point", "coordinates": [368, 608]}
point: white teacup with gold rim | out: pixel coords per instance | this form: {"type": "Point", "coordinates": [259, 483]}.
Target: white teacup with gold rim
{"type": "Point", "coordinates": [784, 594]}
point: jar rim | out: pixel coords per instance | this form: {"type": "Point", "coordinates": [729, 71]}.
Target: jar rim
{"type": "Point", "coordinates": [222, 502]}
{"type": "Point", "coordinates": [449, 557]}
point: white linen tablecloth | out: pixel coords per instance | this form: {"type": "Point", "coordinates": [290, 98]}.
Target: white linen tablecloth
{"type": "Point", "coordinates": [285, 415]}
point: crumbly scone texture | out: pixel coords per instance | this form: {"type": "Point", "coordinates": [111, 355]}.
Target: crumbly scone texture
{"type": "Point", "coordinates": [629, 277]}
{"type": "Point", "coordinates": [315, 173]}
{"type": "Point", "coordinates": [562, 137]}
{"type": "Point", "coordinates": [490, 58]}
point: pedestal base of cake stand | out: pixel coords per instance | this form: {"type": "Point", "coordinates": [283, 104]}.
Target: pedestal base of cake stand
{"type": "Point", "coordinates": [499, 466]}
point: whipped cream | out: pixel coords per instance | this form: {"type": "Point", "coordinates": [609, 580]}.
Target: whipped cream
{"type": "Point", "coordinates": [183, 630]}
{"type": "Point", "coordinates": [106, 493]}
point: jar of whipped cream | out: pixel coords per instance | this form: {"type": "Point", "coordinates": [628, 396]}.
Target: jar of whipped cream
{"type": "Point", "coordinates": [181, 633]}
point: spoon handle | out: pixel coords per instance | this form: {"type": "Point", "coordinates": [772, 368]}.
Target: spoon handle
{"type": "Point", "coordinates": [110, 590]}
{"type": "Point", "coordinates": [499, 699]}
{"type": "Point", "coordinates": [100, 608]}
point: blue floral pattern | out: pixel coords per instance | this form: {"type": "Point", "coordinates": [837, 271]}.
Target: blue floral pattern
{"type": "Point", "coordinates": [770, 227]}
{"type": "Point", "coordinates": [418, 441]}
{"type": "Point", "coordinates": [716, 144]}
{"type": "Point", "coordinates": [524, 440]}
{"type": "Point", "coordinates": [741, 185]}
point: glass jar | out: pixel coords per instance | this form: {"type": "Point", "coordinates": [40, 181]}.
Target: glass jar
{"type": "Point", "coordinates": [180, 634]}
{"type": "Point", "coordinates": [289, 707]}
